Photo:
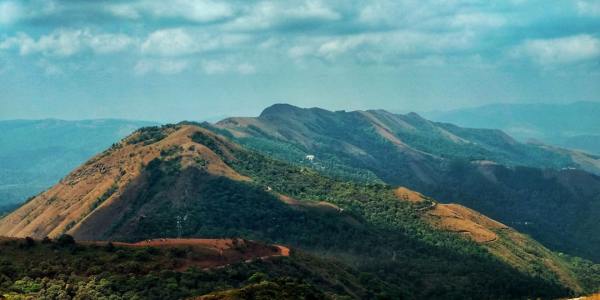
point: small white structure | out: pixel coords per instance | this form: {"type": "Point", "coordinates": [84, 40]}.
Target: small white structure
{"type": "Point", "coordinates": [310, 157]}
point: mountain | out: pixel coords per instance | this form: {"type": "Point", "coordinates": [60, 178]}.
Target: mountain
{"type": "Point", "coordinates": [35, 154]}
{"type": "Point", "coordinates": [187, 181]}
{"type": "Point", "coordinates": [574, 126]}
{"type": "Point", "coordinates": [540, 190]}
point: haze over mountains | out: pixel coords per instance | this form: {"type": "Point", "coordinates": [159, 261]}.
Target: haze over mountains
{"type": "Point", "coordinates": [573, 126]}
{"type": "Point", "coordinates": [35, 154]}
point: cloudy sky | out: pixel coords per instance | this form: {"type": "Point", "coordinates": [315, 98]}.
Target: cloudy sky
{"type": "Point", "coordinates": [184, 59]}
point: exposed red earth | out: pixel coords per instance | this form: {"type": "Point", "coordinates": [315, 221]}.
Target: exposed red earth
{"type": "Point", "coordinates": [210, 253]}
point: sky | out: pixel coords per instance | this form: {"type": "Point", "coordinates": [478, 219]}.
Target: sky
{"type": "Point", "coordinates": [204, 60]}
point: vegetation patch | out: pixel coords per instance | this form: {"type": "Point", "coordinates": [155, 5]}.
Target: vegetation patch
{"type": "Point", "coordinates": [149, 135]}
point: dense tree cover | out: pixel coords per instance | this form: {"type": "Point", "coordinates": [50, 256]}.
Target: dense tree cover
{"type": "Point", "coordinates": [58, 270]}
{"type": "Point", "coordinates": [280, 288]}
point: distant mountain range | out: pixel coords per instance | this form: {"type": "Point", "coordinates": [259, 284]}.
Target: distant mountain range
{"type": "Point", "coordinates": [574, 126]}
{"type": "Point", "coordinates": [35, 154]}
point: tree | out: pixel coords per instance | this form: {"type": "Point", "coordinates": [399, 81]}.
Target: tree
{"type": "Point", "coordinates": [65, 239]}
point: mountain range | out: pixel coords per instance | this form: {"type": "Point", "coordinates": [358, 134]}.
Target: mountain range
{"type": "Point", "coordinates": [573, 126]}
{"type": "Point", "coordinates": [187, 181]}
{"type": "Point", "coordinates": [359, 205]}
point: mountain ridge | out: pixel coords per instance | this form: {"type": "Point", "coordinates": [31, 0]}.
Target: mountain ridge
{"type": "Point", "coordinates": [519, 184]}
{"type": "Point", "coordinates": [573, 125]}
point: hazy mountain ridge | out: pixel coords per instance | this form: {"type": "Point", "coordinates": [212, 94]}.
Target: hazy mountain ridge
{"type": "Point", "coordinates": [35, 154]}
{"type": "Point", "coordinates": [574, 126]}
{"type": "Point", "coordinates": [185, 180]}
{"type": "Point", "coordinates": [411, 132]}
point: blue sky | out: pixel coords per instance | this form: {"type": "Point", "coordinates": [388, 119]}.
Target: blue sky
{"type": "Point", "coordinates": [183, 59]}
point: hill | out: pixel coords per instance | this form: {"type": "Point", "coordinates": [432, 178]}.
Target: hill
{"type": "Point", "coordinates": [574, 126]}
{"type": "Point", "coordinates": [540, 190]}
{"type": "Point", "coordinates": [35, 154]}
{"type": "Point", "coordinates": [186, 181]}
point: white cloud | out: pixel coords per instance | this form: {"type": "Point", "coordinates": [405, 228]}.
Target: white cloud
{"type": "Point", "coordinates": [563, 50]}
{"type": "Point", "coordinates": [313, 10]}
{"type": "Point", "coordinates": [339, 46]}
{"type": "Point", "coordinates": [587, 7]}
{"type": "Point", "coordinates": [169, 42]}
{"type": "Point", "coordinates": [60, 43]}
{"type": "Point", "coordinates": [109, 43]}
{"type": "Point", "coordinates": [178, 42]}
{"type": "Point", "coordinates": [197, 10]}
{"type": "Point", "coordinates": [214, 67]}
{"type": "Point", "coordinates": [126, 11]}
{"type": "Point", "coordinates": [162, 66]}
{"type": "Point", "coordinates": [10, 12]}
{"type": "Point", "coordinates": [67, 42]}
{"type": "Point", "coordinates": [383, 46]}
{"type": "Point", "coordinates": [270, 14]}
{"type": "Point", "coordinates": [201, 11]}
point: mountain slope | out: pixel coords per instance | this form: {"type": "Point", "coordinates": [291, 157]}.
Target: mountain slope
{"type": "Point", "coordinates": [574, 126]}
{"type": "Point", "coordinates": [35, 154]}
{"type": "Point", "coordinates": [184, 180]}
{"type": "Point", "coordinates": [483, 169]}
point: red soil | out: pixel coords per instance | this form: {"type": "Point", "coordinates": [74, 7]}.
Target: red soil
{"type": "Point", "coordinates": [211, 253]}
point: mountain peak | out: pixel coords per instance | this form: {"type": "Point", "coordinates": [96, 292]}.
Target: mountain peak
{"type": "Point", "coordinates": [279, 109]}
